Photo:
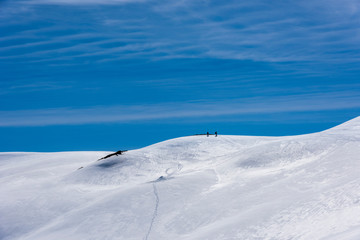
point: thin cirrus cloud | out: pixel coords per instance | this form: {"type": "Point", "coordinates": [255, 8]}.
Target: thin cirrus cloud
{"type": "Point", "coordinates": [83, 2]}
{"type": "Point", "coordinates": [231, 30]}
{"type": "Point", "coordinates": [190, 111]}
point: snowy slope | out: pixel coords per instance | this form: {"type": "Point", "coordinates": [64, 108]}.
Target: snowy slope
{"type": "Point", "coordinates": [197, 187]}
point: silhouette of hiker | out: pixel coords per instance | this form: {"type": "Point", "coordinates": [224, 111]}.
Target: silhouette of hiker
{"type": "Point", "coordinates": [207, 134]}
{"type": "Point", "coordinates": [215, 134]}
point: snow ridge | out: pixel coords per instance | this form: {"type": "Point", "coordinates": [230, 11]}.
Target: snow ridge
{"type": "Point", "coordinates": [228, 187]}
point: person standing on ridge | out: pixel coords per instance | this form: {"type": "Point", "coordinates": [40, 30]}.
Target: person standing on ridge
{"type": "Point", "coordinates": [207, 134]}
{"type": "Point", "coordinates": [216, 134]}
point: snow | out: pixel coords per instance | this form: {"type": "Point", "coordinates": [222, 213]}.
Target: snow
{"type": "Point", "coordinates": [196, 187]}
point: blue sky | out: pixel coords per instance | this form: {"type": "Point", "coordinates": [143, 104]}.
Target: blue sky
{"type": "Point", "coordinates": [121, 74]}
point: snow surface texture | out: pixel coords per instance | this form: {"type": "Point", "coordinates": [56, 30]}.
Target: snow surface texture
{"type": "Point", "coordinates": [198, 187]}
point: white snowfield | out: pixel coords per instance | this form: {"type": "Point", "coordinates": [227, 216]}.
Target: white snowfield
{"type": "Point", "coordinates": [226, 187]}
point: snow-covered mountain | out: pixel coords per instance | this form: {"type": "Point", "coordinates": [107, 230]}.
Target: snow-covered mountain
{"type": "Point", "coordinates": [197, 187]}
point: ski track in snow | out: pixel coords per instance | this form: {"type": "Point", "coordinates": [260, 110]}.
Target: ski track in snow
{"type": "Point", "coordinates": [155, 211]}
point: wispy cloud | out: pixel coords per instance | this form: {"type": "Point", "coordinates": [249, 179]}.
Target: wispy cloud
{"type": "Point", "coordinates": [82, 2]}
{"type": "Point", "coordinates": [33, 87]}
{"type": "Point", "coordinates": [189, 110]}
{"type": "Point", "coordinates": [57, 39]}
{"type": "Point", "coordinates": [256, 30]}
